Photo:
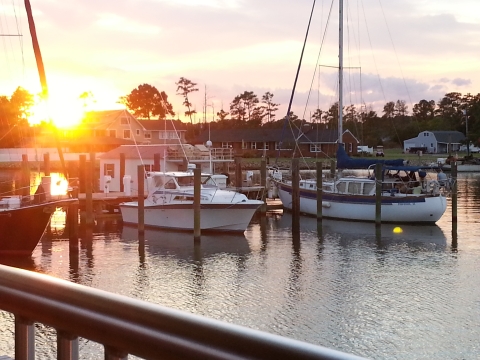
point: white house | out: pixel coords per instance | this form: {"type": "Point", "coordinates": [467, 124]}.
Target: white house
{"type": "Point", "coordinates": [172, 158]}
{"type": "Point", "coordinates": [435, 142]}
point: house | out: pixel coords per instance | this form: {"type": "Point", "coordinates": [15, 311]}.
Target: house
{"type": "Point", "coordinates": [163, 131]}
{"type": "Point", "coordinates": [171, 158]}
{"type": "Point", "coordinates": [311, 141]}
{"type": "Point", "coordinates": [103, 131]}
{"type": "Point", "coordinates": [435, 142]}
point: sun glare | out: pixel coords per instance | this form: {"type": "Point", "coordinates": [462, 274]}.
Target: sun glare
{"type": "Point", "coordinates": [62, 113]}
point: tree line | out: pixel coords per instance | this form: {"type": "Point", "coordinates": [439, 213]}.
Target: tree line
{"type": "Point", "coordinates": [397, 123]}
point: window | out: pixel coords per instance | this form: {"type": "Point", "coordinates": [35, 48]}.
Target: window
{"type": "Point", "coordinates": [172, 135]}
{"type": "Point", "coordinates": [137, 132]}
{"type": "Point", "coordinates": [126, 134]}
{"type": "Point", "coordinates": [354, 188]}
{"type": "Point", "coordinates": [314, 148]}
{"type": "Point", "coordinates": [283, 146]}
{"type": "Point", "coordinates": [112, 133]}
{"type": "Point", "coordinates": [109, 169]}
{"type": "Point", "coordinates": [124, 120]}
{"type": "Point", "coordinates": [244, 145]}
{"type": "Point", "coordinates": [350, 147]}
{"type": "Point", "coordinates": [148, 135]}
{"type": "Point", "coordinates": [253, 145]}
{"type": "Point", "coordinates": [226, 145]}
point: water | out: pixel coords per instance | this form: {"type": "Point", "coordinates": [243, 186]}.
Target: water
{"type": "Point", "coordinates": [401, 294]}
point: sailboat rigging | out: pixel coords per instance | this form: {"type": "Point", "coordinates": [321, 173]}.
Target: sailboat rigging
{"type": "Point", "coordinates": [406, 195]}
{"type": "Point", "coordinates": [23, 220]}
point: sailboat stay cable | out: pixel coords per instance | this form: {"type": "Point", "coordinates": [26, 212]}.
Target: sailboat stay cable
{"type": "Point", "coordinates": [41, 74]}
{"type": "Point", "coordinates": [287, 118]}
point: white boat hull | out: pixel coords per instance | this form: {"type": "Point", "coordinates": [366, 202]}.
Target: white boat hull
{"type": "Point", "coordinates": [213, 217]}
{"type": "Point", "coordinates": [463, 167]}
{"type": "Point", "coordinates": [395, 209]}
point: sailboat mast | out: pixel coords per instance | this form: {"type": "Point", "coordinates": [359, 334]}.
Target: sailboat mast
{"type": "Point", "coordinates": [340, 73]}
{"type": "Point", "coordinates": [36, 50]}
{"type": "Point", "coordinates": [41, 72]}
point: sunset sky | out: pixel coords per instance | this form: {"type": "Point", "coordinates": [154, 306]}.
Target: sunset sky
{"type": "Point", "coordinates": [409, 50]}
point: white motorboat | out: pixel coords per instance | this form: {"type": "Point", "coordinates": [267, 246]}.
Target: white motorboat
{"type": "Point", "coordinates": [169, 204]}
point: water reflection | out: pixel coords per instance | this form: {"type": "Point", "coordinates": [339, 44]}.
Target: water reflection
{"type": "Point", "coordinates": [181, 245]}
{"type": "Point", "coordinates": [384, 236]}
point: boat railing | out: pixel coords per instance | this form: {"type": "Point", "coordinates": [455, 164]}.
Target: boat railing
{"type": "Point", "coordinates": [125, 325]}
{"type": "Point", "coordinates": [214, 154]}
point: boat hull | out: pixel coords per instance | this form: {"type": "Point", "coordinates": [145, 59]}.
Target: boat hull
{"type": "Point", "coordinates": [22, 228]}
{"type": "Point", "coordinates": [213, 217]}
{"type": "Point", "coordinates": [395, 209]}
{"type": "Point", "coordinates": [463, 167]}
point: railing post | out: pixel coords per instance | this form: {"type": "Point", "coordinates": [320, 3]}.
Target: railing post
{"type": "Point", "coordinates": [24, 339]}
{"type": "Point", "coordinates": [67, 346]}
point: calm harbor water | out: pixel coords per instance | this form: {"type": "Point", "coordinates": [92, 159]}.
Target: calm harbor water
{"type": "Point", "coordinates": [409, 294]}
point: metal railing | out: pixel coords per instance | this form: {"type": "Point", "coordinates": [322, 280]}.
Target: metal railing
{"type": "Point", "coordinates": [125, 325]}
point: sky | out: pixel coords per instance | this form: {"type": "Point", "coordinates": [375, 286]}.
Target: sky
{"type": "Point", "coordinates": [393, 50]}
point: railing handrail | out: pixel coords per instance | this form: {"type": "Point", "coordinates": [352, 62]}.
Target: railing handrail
{"type": "Point", "coordinates": [132, 326]}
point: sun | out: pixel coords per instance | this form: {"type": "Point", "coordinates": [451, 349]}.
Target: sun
{"type": "Point", "coordinates": [62, 112]}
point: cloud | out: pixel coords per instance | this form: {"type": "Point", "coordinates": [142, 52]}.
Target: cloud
{"type": "Point", "coordinates": [461, 82]}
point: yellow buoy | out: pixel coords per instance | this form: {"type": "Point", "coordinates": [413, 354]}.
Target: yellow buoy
{"type": "Point", "coordinates": [397, 230]}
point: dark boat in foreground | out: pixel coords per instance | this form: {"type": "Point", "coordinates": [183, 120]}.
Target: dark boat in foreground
{"type": "Point", "coordinates": [23, 225]}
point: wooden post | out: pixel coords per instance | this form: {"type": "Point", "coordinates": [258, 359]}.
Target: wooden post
{"type": "Point", "coordinates": [72, 214]}
{"type": "Point", "coordinates": [238, 172]}
{"type": "Point", "coordinates": [25, 176]}
{"type": "Point", "coordinates": [46, 164]}
{"type": "Point", "coordinates": [156, 162]}
{"type": "Point", "coordinates": [295, 189]}
{"type": "Point", "coordinates": [319, 191]}
{"type": "Point", "coordinates": [332, 168]}
{"type": "Point", "coordinates": [88, 197]}
{"type": "Point", "coordinates": [454, 192]}
{"type": "Point", "coordinates": [81, 172]}
{"type": "Point", "coordinates": [263, 182]}
{"type": "Point", "coordinates": [378, 194]}
{"type": "Point", "coordinates": [122, 171]}
{"type": "Point", "coordinates": [141, 198]}
{"type": "Point", "coordinates": [197, 179]}
{"type": "Point", "coordinates": [94, 178]}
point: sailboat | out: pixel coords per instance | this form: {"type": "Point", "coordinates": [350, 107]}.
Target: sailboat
{"type": "Point", "coordinates": [406, 194]}
{"type": "Point", "coordinates": [24, 219]}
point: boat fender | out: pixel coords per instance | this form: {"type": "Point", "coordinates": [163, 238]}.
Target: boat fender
{"type": "Point", "coordinates": [326, 204]}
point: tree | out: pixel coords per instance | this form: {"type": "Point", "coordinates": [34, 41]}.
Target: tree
{"type": "Point", "coordinates": [424, 110]}
{"type": "Point", "coordinates": [389, 109]}
{"type": "Point", "coordinates": [222, 115]}
{"type": "Point", "coordinates": [146, 101]}
{"type": "Point", "coordinates": [401, 108]}
{"type": "Point", "coordinates": [243, 107]}
{"type": "Point", "coordinates": [21, 102]}
{"type": "Point", "coordinates": [185, 87]}
{"type": "Point", "coordinates": [270, 107]}
{"type": "Point", "coordinates": [87, 98]}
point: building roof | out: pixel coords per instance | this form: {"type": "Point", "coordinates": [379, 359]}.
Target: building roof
{"type": "Point", "coordinates": [163, 125]}
{"type": "Point", "coordinates": [135, 151]}
{"type": "Point", "coordinates": [105, 118]}
{"type": "Point", "coordinates": [448, 136]}
{"type": "Point", "coordinates": [311, 134]}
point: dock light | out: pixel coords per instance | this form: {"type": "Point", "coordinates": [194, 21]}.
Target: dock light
{"type": "Point", "coordinates": [397, 230]}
